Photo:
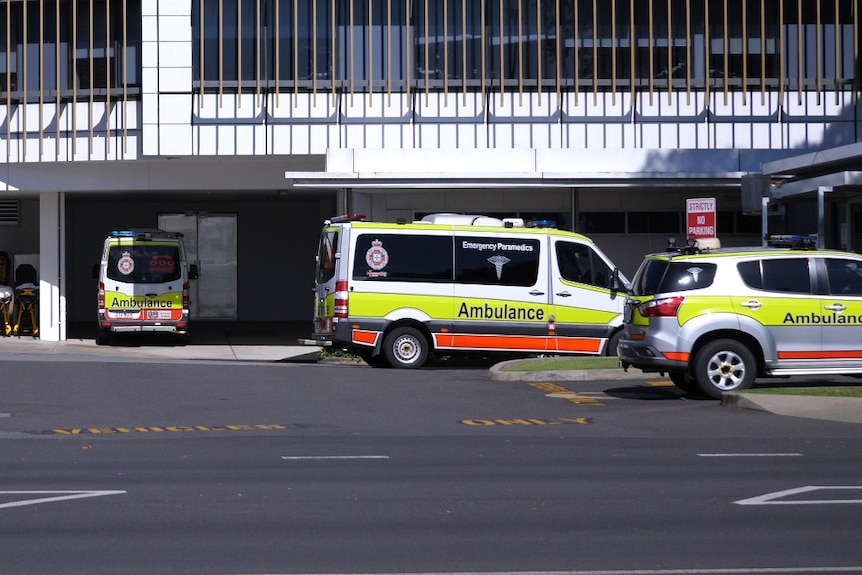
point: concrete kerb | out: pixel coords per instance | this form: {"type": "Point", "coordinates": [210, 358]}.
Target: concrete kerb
{"type": "Point", "coordinates": [499, 372]}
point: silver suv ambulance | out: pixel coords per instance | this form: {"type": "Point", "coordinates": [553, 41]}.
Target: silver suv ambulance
{"type": "Point", "coordinates": [715, 320]}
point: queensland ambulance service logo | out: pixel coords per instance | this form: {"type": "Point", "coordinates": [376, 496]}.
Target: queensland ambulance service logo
{"type": "Point", "coordinates": [499, 262]}
{"type": "Point", "coordinates": [126, 265]}
{"type": "Point", "coordinates": [376, 257]}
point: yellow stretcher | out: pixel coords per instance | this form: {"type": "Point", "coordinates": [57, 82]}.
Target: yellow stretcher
{"type": "Point", "coordinates": [26, 302]}
{"type": "Point", "coordinates": [5, 303]}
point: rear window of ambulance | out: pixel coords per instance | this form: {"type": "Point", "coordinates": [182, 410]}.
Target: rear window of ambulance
{"type": "Point", "coordinates": [662, 276]}
{"type": "Point", "coordinates": [144, 263]}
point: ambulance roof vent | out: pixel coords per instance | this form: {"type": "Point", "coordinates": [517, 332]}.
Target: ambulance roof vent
{"type": "Point", "coordinates": [461, 220]}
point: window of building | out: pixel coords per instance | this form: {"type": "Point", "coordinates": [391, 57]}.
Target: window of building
{"type": "Point", "coordinates": [654, 222]}
{"type": "Point", "coordinates": [77, 47]}
{"type": "Point", "coordinates": [452, 45]}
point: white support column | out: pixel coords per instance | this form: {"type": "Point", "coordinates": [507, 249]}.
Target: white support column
{"type": "Point", "coordinates": [821, 215]}
{"type": "Point", "coordinates": [52, 266]}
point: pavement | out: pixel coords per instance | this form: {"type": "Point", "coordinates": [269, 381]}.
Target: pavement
{"type": "Point", "coordinates": [280, 342]}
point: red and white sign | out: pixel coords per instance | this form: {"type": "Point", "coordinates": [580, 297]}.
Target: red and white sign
{"type": "Point", "coordinates": [700, 218]}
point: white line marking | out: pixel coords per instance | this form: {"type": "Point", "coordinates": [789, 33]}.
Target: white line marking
{"type": "Point", "coordinates": [60, 496]}
{"type": "Point", "coordinates": [749, 455]}
{"type": "Point", "coordinates": [742, 571]}
{"type": "Point", "coordinates": [301, 457]}
{"type": "Point", "coordinates": [770, 498]}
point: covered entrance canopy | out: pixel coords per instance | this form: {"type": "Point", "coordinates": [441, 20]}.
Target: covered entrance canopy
{"type": "Point", "coordinates": [832, 177]}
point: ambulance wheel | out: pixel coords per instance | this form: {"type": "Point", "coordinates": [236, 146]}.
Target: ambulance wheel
{"type": "Point", "coordinates": [405, 348]}
{"type": "Point", "coordinates": [103, 337]}
{"type": "Point", "coordinates": [724, 365]}
{"type": "Point", "coordinates": [613, 342]}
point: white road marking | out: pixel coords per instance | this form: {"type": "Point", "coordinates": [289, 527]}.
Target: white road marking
{"type": "Point", "coordinates": [302, 457]}
{"type": "Point", "coordinates": [58, 496]}
{"type": "Point", "coordinates": [740, 571]}
{"type": "Point", "coordinates": [775, 498]}
{"type": "Point", "coordinates": [749, 454]}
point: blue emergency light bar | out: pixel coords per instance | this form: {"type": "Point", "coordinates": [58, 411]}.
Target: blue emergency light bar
{"type": "Point", "coordinates": [542, 224]}
{"type": "Point", "coordinates": [795, 241]}
{"type": "Point", "coordinates": [144, 234]}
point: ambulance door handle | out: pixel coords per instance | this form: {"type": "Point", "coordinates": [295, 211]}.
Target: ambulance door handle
{"type": "Point", "coordinates": [563, 294]}
{"type": "Point", "coordinates": [836, 307]}
{"type": "Point", "coordinates": [152, 295]}
{"type": "Point", "coordinates": [537, 292]}
{"type": "Point", "coordinates": [751, 304]}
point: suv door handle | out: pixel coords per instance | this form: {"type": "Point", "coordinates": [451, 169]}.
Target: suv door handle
{"type": "Point", "coordinates": [751, 304]}
{"type": "Point", "coordinates": [537, 292]}
{"type": "Point", "coordinates": [836, 307]}
{"type": "Point", "coordinates": [564, 294]}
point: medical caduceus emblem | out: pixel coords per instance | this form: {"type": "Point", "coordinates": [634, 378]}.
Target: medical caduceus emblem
{"type": "Point", "coordinates": [498, 262]}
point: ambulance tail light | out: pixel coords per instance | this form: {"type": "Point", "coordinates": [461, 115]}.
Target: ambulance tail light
{"type": "Point", "coordinates": [340, 309]}
{"type": "Point", "coordinates": [101, 295]}
{"type": "Point", "coordinates": [665, 307]}
{"type": "Point", "coordinates": [186, 300]}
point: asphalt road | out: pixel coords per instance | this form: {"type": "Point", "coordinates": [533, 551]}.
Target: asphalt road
{"type": "Point", "coordinates": [209, 468]}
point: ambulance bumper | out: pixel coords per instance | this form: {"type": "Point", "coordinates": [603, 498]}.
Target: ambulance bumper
{"type": "Point", "coordinates": [180, 327]}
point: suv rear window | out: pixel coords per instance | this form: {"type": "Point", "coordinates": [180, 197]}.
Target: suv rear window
{"type": "Point", "coordinates": [659, 276]}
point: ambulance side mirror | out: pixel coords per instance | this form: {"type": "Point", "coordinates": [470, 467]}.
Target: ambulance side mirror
{"type": "Point", "coordinates": [617, 284]}
{"type": "Point", "coordinates": [193, 271]}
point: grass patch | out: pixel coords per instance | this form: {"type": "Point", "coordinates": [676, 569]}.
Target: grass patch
{"type": "Point", "coordinates": [564, 364]}
{"type": "Point", "coordinates": [819, 391]}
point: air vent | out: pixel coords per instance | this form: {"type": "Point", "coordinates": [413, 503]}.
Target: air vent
{"type": "Point", "coordinates": [9, 210]}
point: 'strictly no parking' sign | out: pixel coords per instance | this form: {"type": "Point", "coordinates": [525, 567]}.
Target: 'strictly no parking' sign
{"type": "Point", "coordinates": [700, 217]}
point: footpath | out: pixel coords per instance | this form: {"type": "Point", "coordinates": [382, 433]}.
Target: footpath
{"type": "Point", "coordinates": [280, 343]}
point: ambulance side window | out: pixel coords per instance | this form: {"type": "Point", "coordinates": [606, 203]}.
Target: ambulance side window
{"type": "Point", "coordinates": [845, 277]}
{"type": "Point", "coordinates": [580, 264]}
{"type": "Point", "coordinates": [497, 261]}
{"type": "Point", "coordinates": [403, 257]}
{"type": "Point", "coordinates": [786, 275]}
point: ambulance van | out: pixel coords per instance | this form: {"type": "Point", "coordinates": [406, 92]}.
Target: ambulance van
{"type": "Point", "coordinates": [399, 293]}
{"type": "Point", "coordinates": [143, 284]}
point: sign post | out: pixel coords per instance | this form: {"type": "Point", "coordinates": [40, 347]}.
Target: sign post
{"type": "Point", "coordinates": [700, 218]}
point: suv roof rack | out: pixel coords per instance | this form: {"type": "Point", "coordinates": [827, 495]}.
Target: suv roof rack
{"type": "Point", "coordinates": [691, 247]}
{"type": "Point", "coordinates": [792, 241]}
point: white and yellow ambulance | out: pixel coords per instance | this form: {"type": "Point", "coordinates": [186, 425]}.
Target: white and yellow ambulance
{"type": "Point", "coordinates": [143, 284]}
{"type": "Point", "coordinates": [395, 293]}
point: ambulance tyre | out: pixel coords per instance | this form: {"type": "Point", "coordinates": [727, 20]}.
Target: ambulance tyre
{"type": "Point", "coordinates": [724, 365]}
{"type": "Point", "coordinates": [103, 336]}
{"type": "Point", "coordinates": [613, 342]}
{"type": "Point", "coordinates": [405, 348]}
